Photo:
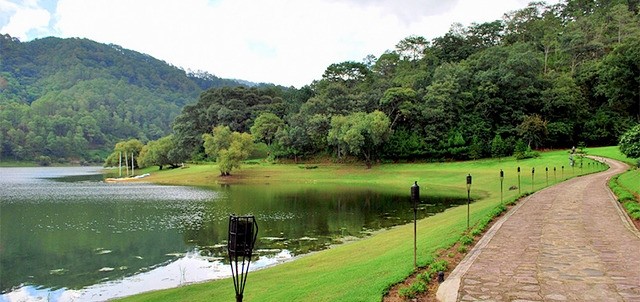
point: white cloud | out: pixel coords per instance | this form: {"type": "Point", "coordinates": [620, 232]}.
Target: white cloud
{"type": "Point", "coordinates": [24, 20]}
{"type": "Point", "coordinates": [286, 42]}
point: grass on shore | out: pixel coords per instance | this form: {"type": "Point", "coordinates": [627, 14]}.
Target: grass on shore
{"type": "Point", "coordinates": [612, 152]}
{"type": "Point", "coordinates": [625, 186]}
{"type": "Point", "coordinates": [365, 269]}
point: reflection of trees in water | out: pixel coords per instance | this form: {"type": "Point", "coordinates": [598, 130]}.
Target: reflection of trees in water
{"type": "Point", "coordinates": [306, 219]}
{"type": "Point", "coordinates": [74, 245]}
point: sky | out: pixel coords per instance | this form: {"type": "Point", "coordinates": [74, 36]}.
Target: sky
{"type": "Point", "coordinates": [285, 42]}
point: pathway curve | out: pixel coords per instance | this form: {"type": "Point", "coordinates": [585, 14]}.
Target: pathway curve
{"type": "Point", "coordinates": [568, 242]}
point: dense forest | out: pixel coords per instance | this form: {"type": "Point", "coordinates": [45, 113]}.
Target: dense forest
{"type": "Point", "coordinates": [544, 76]}
{"type": "Point", "coordinates": [73, 99]}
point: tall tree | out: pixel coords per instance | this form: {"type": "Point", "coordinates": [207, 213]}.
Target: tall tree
{"type": "Point", "coordinates": [228, 148]}
{"type": "Point", "coordinates": [265, 127]}
{"type": "Point", "coordinates": [360, 134]}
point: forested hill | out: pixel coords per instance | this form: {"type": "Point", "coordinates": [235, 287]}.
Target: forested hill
{"type": "Point", "coordinates": [544, 76]}
{"type": "Point", "coordinates": [73, 98]}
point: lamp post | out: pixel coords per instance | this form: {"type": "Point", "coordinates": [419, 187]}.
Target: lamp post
{"type": "Point", "coordinates": [468, 197]}
{"type": "Point", "coordinates": [546, 171]}
{"type": "Point", "coordinates": [555, 179]}
{"type": "Point", "coordinates": [533, 171]}
{"type": "Point", "coordinates": [243, 231]}
{"type": "Point", "coordinates": [519, 191]}
{"type": "Point", "coordinates": [562, 175]}
{"type": "Point", "coordinates": [415, 198]}
{"type": "Point", "coordinates": [501, 182]}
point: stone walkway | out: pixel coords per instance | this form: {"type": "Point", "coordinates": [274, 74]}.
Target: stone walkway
{"type": "Point", "coordinates": [569, 242]}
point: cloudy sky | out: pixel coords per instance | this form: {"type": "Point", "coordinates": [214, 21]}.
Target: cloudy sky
{"type": "Point", "coordinates": [287, 42]}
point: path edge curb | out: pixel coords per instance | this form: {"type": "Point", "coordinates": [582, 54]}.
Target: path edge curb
{"type": "Point", "coordinates": [448, 291]}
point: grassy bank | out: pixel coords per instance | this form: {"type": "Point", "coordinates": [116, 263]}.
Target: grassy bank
{"type": "Point", "coordinates": [363, 270]}
{"type": "Point", "coordinates": [611, 152]}
{"type": "Point", "coordinates": [625, 186]}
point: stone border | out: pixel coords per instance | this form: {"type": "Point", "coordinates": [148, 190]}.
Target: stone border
{"type": "Point", "coordinates": [449, 289]}
{"type": "Point", "coordinates": [626, 220]}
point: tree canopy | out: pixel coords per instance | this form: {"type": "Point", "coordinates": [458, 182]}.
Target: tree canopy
{"type": "Point", "coordinates": [544, 76]}
{"type": "Point", "coordinates": [72, 99]}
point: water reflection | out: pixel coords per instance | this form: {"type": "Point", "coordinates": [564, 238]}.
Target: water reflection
{"type": "Point", "coordinates": [66, 235]}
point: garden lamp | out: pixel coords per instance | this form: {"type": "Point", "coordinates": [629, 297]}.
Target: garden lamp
{"type": "Point", "coordinates": [243, 232]}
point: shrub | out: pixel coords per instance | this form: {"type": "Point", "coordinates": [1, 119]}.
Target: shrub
{"type": "Point", "coordinates": [630, 142]}
{"type": "Point", "coordinates": [426, 277]}
{"type": "Point", "coordinates": [43, 161]}
{"type": "Point", "coordinates": [438, 266]}
{"type": "Point", "coordinates": [413, 290]}
{"type": "Point", "coordinates": [633, 208]}
{"type": "Point", "coordinates": [466, 240]}
{"type": "Point", "coordinates": [523, 151]}
{"type": "Point", "coordinates": [497, 211]}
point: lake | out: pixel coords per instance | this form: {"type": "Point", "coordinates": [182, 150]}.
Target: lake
{"type": "Point", "coordinates": [66, 235]}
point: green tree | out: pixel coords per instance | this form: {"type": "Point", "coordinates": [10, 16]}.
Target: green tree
{"type": "Point", "coordinates": [160, 153]}
{"type": "Point", "coordinates": [360, 134]}
{"type": "Point", "coordinates": [630, 142]}
{"type": "Point", "coordinates": [533, 129]}
{"type": "Point", "coordinates": [122, 150]}
{"type": "Point", "coordinates": [265, 127]}
{"type": "Point", "coordinates": [498, 147]}
{"type": "Point", "coordinates": [228, 148]}
{"type": "Point", "coordinates": [398, 102]}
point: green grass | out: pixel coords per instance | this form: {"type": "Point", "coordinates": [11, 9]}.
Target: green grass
{"type": "Point", "coordinates": [365, 269]}
{"type": "Point", "coordinates": [625, 186]}
{"type": "Point", "coordinates": [611, 152]}
{"type": "Point", "coordinates": [13, 163]}
{"type": "Point", "coordinates": [631, 181]}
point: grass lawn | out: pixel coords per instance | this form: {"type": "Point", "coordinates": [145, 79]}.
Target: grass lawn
{"type": "Point", "coordinates": [363, 270]}
{"type": "Point", "coordinates": [611, 152]}
{"type": "Point", "coordinates": [629, 180]}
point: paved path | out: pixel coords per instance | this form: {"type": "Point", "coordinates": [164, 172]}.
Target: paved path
{"type": "Point", "coordinates": [569, 242]}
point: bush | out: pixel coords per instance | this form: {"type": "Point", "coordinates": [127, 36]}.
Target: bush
{"type": "Point", "coordinates": [413, 290]}
{"type": "Point", "coordinates": [633, 208]}
{"type": "Point", "coordinates": [438, 266]}
{"type": "Point", "coordinates": [466, 240]}
{"type": "Point", "coordinates": [43, 161]}
{"type": "Point", "coordinates": [522, 151]}
{"type": "Point", "coordinates": [426, 277]}
{"type": "Point", "coordinates": [630, 142]}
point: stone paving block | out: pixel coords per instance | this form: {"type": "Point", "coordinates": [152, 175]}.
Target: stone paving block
{"type": "Point", "coordinates": [567, 242]}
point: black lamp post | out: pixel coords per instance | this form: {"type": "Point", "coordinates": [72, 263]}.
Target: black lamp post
{"type": "Point", "coordinates": [415, 198]}
{"type": "Point", "coordinates": [546, 171]}
{"type": "Point", "coordinates": [468, 197]}
{"type": "Point", "coordinates": [519, 191]}
{"type": "Point", "coordinates": [501, 182]}
{"type": "Point", "coordinates": [243, 231]}
{"type": "Point", "coordinates": [562, 175]}
{"type": "Point", "coordinates": [555, 179]}
{"type": "Point", "coordinates": [533, 171]}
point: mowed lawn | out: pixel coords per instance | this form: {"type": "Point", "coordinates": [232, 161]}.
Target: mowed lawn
{"type": "Point", "coordinates": [363, 270]}
{"type": "Point", "coordinates": [630, 180]}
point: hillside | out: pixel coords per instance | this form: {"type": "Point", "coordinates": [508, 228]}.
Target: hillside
{"type": "Point", "coordinates": [542, 77]}
{"type": "Point", "coordinates": [73, 99]}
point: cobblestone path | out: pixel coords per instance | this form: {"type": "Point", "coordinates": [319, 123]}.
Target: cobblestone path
{"type": "Point", "coordinates": [569, 242]}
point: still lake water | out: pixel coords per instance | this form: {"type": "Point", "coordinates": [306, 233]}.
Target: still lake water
{"type": "Point", "coordinates": [65, 235]}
